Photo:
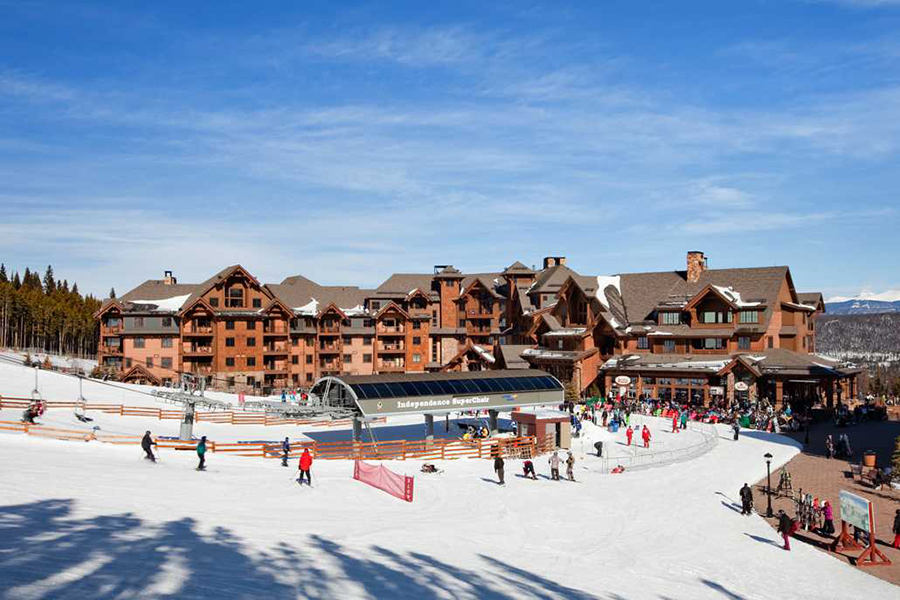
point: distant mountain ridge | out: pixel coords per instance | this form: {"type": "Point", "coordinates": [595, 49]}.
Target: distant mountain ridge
{"type": "Point", "coordinates": [865, 336]}
{"type": "Point", "coordinates": [861, 307]}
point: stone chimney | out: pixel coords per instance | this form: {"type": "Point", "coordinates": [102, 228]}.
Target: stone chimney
{"type": "Point", "coordinates": [696, 264]}
{"type": "Point", "coordinates": [552, 261]}
{"type": "Point", "coordinates": [168, 279]}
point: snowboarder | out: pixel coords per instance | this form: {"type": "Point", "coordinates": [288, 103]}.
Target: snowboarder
{"type": "Point", "coordinates": [786, 527]}
{"type": "Point", "coordinates": [529, 470]}
{"type": "Point", "coordinates": [746, 500]}
{"type": "Point", "coordinates": [628, 433]}
{"type": "Point", "coordinates": [570, 466]}
{"type": "Point", "coordinates": [285, 451]}
{"type": "Point", "coordinates": [146, 443]}
{"type": "Point", "coordinates": [554, 466]}
{"type": "Point", "coordinates": [498, 468]}
{"type": "Point", "coordinates": [645, 434]}
{"type": "Point", "coordinates": [736, 428]}
{"type": "Point", "coordinates": [305, 466]}
{"type": "Point", "coordinates": [201, 452]}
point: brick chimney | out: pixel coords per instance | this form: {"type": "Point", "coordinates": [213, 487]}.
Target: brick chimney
{"type": "Point", "coordinates": [696, 264]}
{"type": "Point", "coordinates": [168, 279]}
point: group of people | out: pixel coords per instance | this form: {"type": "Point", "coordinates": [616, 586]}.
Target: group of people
{"type": "Point", "coordinates": [292, 394]}
{"type": "Point", "coordinates": [147, 443]}
{"type": "Point", "coordinates": [645, 434]}
{"type": "Point", "coordinates": [528, 467]}
{"type": "Point", "coordinates": [841, 449]}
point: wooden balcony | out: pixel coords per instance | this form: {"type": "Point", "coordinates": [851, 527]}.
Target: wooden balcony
{"type": "Point", "coordinates": [111, 350]}
{"type": "Point", "coordinates": [194, 329]}
{"type": "Point", "coordinates": [396, 330]}
{"type": "Point", "coordinates": [112, 330]}
{"type": "Point", "coordinates": [391, 368]}
{"type": "Point", "coordinates": [276, 331]}
{"type": "Point", "coordinates": [198, 370]}
{"type": "Point", "coordinates": [274, 349]}
{"type": "Point", "coordinates": [329, 349]}
{"type": "Point", "coordinates": [194, 350]}
{"type": "Point", "coordinates": [391, 348]}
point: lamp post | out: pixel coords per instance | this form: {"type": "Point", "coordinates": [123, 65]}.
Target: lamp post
{"type": "Point", "coordinates": [806, 440]}
{"type": "Point", "coordinates": [768, 458]}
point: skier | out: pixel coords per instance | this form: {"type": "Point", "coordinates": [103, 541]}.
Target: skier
{"type": "Point", "coordinates": [554, 466]}
{"type": "Point", "coordinates": [746, 500]}
{"type": "Point", "coordinates": [674, 422]}
{"type": "Point", "coordinates": [786, 527]}
{"type": "Point", "coordinates": [645, 434]}
{"type": "Point", "coordinates": [28, 415]}
{"type": "Point", "coordinates": [305, 465]}
{"type": "Point", "coordinates": [628, 433]}
{"type": "Point", "coordinates": [529, 470]}
{"type": "Point", "coordinates": [736, 428]}
{"type": "Point", "coordinates": [684, 419]}
{"type": "Point", "coordinates": [498, 468]}
{"type": "Point", "coordinates": [285, 451]}
{"type": "Point", "coordinates": [201, 452]}
{"type": "Point", "coordinates": [570, 466]}
{"type": "Point", "coordinates": [896, 543]}
{"type": "Point", "coordinates": [146, 442]}
{"type": "Point", "coordinates": [284, 395]}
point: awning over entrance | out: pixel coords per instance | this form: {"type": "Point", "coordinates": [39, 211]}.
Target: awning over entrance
{"type": "Point", "coordinates": [429, 393]}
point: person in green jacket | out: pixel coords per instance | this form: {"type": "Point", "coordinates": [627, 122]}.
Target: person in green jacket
{"type": "Point", "coordinates": [201, 452]}
{"type": "Point", "coordinates": [684, 419]}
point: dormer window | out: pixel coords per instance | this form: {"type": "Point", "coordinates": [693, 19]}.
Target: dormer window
{"type": "Point", "coordinates": [670, 318]}
{"type": "Point", "coordinates": [714, 316]}
{"type": "Point", "coordinates": [234, 297]}
{"type": "Point", "coordinates": [749, 316]}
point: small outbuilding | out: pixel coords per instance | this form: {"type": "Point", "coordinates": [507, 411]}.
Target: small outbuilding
{"type": "Point", "coordinates": [545, 425]}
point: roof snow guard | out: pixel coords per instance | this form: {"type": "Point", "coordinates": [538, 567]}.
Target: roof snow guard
{"type": "Point", "coordinates": [424, 393]}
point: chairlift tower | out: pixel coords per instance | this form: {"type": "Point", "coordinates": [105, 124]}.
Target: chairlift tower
{"type": "Point", "coordinates": [190, 384]}
{"type": "Point", "coordinates": [35, 393]}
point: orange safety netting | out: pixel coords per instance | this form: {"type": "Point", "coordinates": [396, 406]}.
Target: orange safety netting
{"type": "Point", "coordinates": [399, 486]}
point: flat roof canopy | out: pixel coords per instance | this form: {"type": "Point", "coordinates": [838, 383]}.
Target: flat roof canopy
{"type": "Point", "coordinates": [412, 393]}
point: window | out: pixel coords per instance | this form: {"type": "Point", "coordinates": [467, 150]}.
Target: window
{"type": "Point", "coordinates": [165, 362]}
{"type": "Point", "coordinates": [348, 357]}
{"type": "Point", "coordinates": [229, 325]}
{"type": "Point", "coordinates": [376, 305]}
{"type": "Point", "coordinates": [308, 377]}
{"type": "Point", "coordinates": [139, 321]}
{"type": "Point", "coordinates": [416, 325]}
{"type": "Point", "coordinates": [167, 342]}
{"type": "Point", "coordinates": [389, 322]}
{"type": "Point", "coordinates": [310, 342]}
{"type": "Point", "coordinates": [167, 321]}
{"type": "Point", "coordinates": [251, 342]}
{"type": "Point", "coordinates": [462, 323]}
{"type": "Point", "coordinates": [417, 358]}
{"type": "Point", "coordinates": [434, 318]}
{"type": "Point", "coordinates": [434, 353]}
{"type": "Point", "coordinates": [643, 343]}
{"type": "Point", "coordinates": [112, 323]}
{"type": "Point", "coordinates": [669, 346]}
{"type": "Point", "coordinates": [749, 316]}
{"type": "Point", "coordinates": [709, 344]}
{"type": "Point", "coordinates": [771, 343]}
{"type": "Point", "coordinates": [367, 340]}
{"type": "Point", "coordinates": [149, 362]}
{"type": "Point", "coordinates": [670, 318]}
{"type": "Point", "coordinates": [804, 342]}
{"type": "Point", "coordinates": [295, 342]}
{"type": "Point", "coordinates": [251, 361]}
{"type": "Point", "coordinates": [417, 341]}
{"type": "Point", "coordinates": [229, 342]}
{"type": "Point", "coordinates": [214, 302]}
{"type": "Point", "coordinates": [257, 303]}
{"type": "Point", "coordinates": [309, 359]}
{"type": "Point", "coordinates": [367, 358]}
{"type": "Point", "coordinates": [251, 381]}
{"type": "Point", "coordinates": [712, 316]}
{"type": "Point", "coordinates": [234, 297]}
{"type": "Point", "coordinates": [347, 340]}
{"type": "Point", "coordinates": [138, 342]}
{"type": "Point", "coordinates": [743, 342]}
{"type": "Point", "coordinates": [231, 382]}
{"type": "Point", "coordinates": [229, 362]}
{"type": "Point", "coordinates": [295, 360]}
{"type": "Point", "coordinates": [127, 363]}
{"type": "Point", "coordinates": [251, 325]}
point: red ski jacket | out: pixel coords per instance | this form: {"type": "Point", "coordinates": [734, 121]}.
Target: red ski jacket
{"type": "Point", "coordinates": [305, 460]}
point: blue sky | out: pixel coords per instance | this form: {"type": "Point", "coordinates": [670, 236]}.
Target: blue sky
{"type": "Point", "coordinates": [347, 142]}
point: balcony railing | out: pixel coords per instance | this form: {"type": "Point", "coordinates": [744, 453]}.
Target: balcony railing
{"type": "Point", "coordinates": [391, 348]}
{"type": "Point", "coordinates": [111, 349]}
{"type": "Point", "coordinates": [390, 330]}
{"type": "Point", "coordinates": [276, 330]}
{"type": "Point", "coordinates": [195, 329]}
{"type": "Point", "coordinates": [199, 370]}
{"type": "Point", "coordinates": [112, 328]}
{"type": "Point", "coordinates": [329, 348]}
{"type": "Point", "coordinates": [197, 349]}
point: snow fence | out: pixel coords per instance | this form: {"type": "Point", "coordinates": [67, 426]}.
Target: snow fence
{"type": "Point", "coordinates": [379, 476]}
{"type": "Point", "coordinates": [666, 457]}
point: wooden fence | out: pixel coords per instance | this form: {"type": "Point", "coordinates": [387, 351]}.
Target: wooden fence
{"type": "Point", "coordinates": [228, 417]}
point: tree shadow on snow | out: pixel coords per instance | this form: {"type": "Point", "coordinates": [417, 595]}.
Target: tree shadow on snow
{"type": "Point", "coordinates": [721, 589]}
{"type": "Point", "coordinates": [48, 552]}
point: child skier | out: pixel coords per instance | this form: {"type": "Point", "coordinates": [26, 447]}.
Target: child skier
{"type": "Point", "coordinates": [645, 434]}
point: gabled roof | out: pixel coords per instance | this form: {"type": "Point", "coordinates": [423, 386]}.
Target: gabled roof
{"type": "Point", "coordinates": [812, 299]}
{"type": "Point", "coordinates": [391, 306]}
{"type": "Point", "coordinates": [551, 279]}
{"type": "Point", "coordinates": [483, 282]}
{"type": "Point", "coordinates": [517, 268]}
{"type": "Point", "coordinates": [216, 279]}
{"type": "Point", "coordinates": [139, 371]}
{"type": "Point", "coordinates": [510, 355]}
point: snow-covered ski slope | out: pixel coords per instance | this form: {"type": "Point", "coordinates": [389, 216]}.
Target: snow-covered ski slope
{"type": "Point", "coordinates": [88, 520]}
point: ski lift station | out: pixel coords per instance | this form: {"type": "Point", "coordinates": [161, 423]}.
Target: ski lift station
{"type": "Point", "coordinates": [430, 394]}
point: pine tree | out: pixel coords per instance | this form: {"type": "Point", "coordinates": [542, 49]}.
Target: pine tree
{"type": "Point", "coordinates": [17, 283]}
{"type": "Point", "coordinates": [3, 278]}
{"type": "Point", "coordinates": [571, 392]}
{"type": "Point", "coordinates": [49, 281]}
{"type": "Point", "coordinates": [75, 288]}
{"type": "Point", "coordinates": [112, 293]}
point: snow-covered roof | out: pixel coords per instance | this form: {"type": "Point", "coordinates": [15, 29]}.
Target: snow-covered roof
{"type": "Point", "coordinates": [566, 332]}
{"type": "Point", "coordinates": [484, 353]}
{"type": "Point", "coordinates": [801, 306]}
{"type": "Point", "coordinates": [734, 296]}
{"type": "Point", "coordinates": [165, 304]}
{"type": "Point", "coordinates": [356, 311]}
{"type": "Point", "coordinates": [309, 309]}
{"type": "Point", "coordinates": [603, 281]}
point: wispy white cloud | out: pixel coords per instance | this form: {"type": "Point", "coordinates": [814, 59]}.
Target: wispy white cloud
{"type": "Point", "coordinates": [885, 296]}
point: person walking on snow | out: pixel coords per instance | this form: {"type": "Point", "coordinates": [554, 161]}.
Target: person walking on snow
{"type": "Point", "coordinates": [675, 422]}
{"type": "Point", "coordinates": [201, 452]}
{"type": "Point", "coordinates": [736, 428]}
{"type": "Point", "coordinates": [684, 419]}
{"type": "Point", "coordinates": [305, 466]}
{"type": "Point", "coordinates": [645, 434]}
{"type": "Point", "coordinates": [146, 443]}
{"type": "Point", "coordinates": [570, 466]}
{"type": "Point", "coordinates": [785, 528]}
{"type": "Point", "coordinates": [628, 433]}
{"type": "Point", "coordinates": [285, 451]}
{"type": "Point", "coordinates": [498, 468]}
{"type": "Point", "coordinates": [554, 466]}
{"type": "Point", "coordinates": [746, 500]}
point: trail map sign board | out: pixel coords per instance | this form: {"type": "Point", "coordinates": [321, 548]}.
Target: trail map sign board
{"type": "Point", "coordinates": [857, 511]}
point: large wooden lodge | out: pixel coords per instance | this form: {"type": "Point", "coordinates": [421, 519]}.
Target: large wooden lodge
{"type": "Point", "coordinates": [696, 335]}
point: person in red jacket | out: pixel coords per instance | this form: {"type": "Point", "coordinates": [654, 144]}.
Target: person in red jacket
{"type": "Point", "coordinates": [628, 433]}
{"type": "Point", "coordinates": [675, 423]}
{"type": "Point", "coordinates": [645, 434]}
{"type": "Point", "coordinates": [305, 466]}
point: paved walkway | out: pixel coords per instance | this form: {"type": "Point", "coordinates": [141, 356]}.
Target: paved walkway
{"type": "Point", "coordinates": [815, 474]}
